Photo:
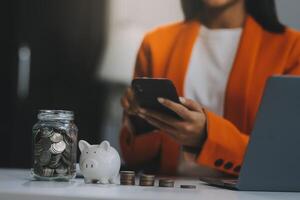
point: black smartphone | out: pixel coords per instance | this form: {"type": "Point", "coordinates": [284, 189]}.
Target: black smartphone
{"type": "Point", "coordinates": [146, 91]}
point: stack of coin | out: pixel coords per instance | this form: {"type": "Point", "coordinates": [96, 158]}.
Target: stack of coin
{"type": "Point", "coordinates": [127, 177]}
{"type": "Point", "coordinates": [165, 182]}
{"type": "Point", "coordinates": [147, 180]}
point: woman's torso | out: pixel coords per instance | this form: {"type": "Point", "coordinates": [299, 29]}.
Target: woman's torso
{"type": "Point", "coordinates": [260, 54]}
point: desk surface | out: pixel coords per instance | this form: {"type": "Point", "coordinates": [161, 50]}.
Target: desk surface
{"type": "Point", "coordinates": [17, 184]}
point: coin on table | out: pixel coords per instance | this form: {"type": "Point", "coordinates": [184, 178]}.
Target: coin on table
{"type": "Point", "coordinates": [45, 158]}
{"type": "Point", "coordinates": [127, 182]}
{"type": "Point", "coordinates": [56, 137]}
{"type": "Point", "coordinates": [146, 183]}
{"type": "Point", "coordinates": [188, 186]}
{"type": "Point", "coordinates": [127, 177]}
{"type": "Point", "coordinates": [165, 182]}
{"type": "Point", "coordinates": [147, 177]}
{"type": "Point", "coordinates": [147, 180]}
{"type": "Point", "coordinates": [57, 148]}
{"type": "Point", "coordinates": [127, 174]}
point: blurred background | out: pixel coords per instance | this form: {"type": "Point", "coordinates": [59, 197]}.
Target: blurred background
{"type": "Point", "coordinates": [76, 55]}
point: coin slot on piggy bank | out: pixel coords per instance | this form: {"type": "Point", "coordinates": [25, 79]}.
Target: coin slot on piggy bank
{"type": "Point", "coordinates": [99, 163]}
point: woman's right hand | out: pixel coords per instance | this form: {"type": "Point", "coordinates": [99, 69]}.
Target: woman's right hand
{"type": "Point", "coordinates": [129, 103]}
{"type": "Point", "coordinates": [130, 107]}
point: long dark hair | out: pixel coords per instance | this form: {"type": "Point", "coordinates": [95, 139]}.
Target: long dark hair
{"type": "Point", "coordinates": [263, 11]}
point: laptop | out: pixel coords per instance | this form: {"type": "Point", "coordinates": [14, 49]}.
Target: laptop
{"type": "Point", "coordinates": [272, 159]}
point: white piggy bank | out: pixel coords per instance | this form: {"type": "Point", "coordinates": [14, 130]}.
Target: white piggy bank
{"type": "Point", "coordinates": [99, 163]}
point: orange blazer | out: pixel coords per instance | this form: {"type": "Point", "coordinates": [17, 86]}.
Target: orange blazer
{"type": "Point", "coordinates": [165, 52]}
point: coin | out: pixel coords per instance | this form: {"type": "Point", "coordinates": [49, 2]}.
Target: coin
{"type": "Point", "coordinates": [38, 149]}
{"type": "Point", "coordinates": [45, 158]}
{"type": "Point", "coordinates": [54, 161]}
{"type": "Point", "coordinates": [67, 151]}
{"type": "Point", "coordinates": [37, 134]}
{"type": "Point", "coordinates": [61, 170]}
{"type": "Point", "coordinates": [127, 182]}
{"type": "Point", "coordinates": [147, 177]}
{"type": "Point", "coordinates": [45, 143]}
{"type": "Point", "coordinates": [164, 182]}
{"type": "Point", "coordinates": [47, 132]}
{"type": "Point", "coordinates": [146, 183]}
{"type": "Point", "coordinates": [70, 138]}
{"type": "Point", "coordinates": [127, 172]}
{"type": "Point", "coordinates": [48, 172]}
{"type": "Point", "coordinates": [38, 169]}
{"type": "Point", "coordinates": [57, 148]}
{"type": "Point", "coordinates": [188, 186]}
{"type": "Point", "coordinates": [147, 180]}
{"type": "Point", "coordinates": [56, 137]}
{"type": "Point", "coordinates": [66, 160]}
{"type": "Point", "coordinates": [127, 177]}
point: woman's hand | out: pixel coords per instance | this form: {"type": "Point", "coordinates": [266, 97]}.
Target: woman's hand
{"type": "Point", "coordinates": [130, 107]}
{"type": "Point", "coordinates": [186, 131]}
{"type": "Point", "coordinates": [128, 102]}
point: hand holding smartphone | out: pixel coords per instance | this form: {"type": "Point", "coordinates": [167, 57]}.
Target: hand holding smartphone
{"type": "Point", "coordinates": [146, 92]}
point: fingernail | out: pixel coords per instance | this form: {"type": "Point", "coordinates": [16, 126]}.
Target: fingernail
{"type": "Point", "coordinates": [141, 115]}
{"type": "Point", "coordinates": [160, 100]}
{"type": "Point", "coordinates": [142, 110]}
{"type": "Point", "coordinates": [182, 99]}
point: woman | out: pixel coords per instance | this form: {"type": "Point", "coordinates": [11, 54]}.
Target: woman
{"type": "Point", "coordinates": [219, 59]}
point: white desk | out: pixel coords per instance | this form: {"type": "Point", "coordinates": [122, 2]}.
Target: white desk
{"type": "Point", "coordinates": [17, 184]}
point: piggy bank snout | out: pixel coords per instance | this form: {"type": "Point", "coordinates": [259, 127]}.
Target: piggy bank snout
{"type": "Point", "coordinates": [89, 164]}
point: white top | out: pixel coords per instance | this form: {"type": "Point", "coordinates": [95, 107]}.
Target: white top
{"type": "Point", "coordinates": [17, 184]}
{"type": "Point", "coordinates": [206, 80]}
{"type": "Point", "coordinates": [210, 65]}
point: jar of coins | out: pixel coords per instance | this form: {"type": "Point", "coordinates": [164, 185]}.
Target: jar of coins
{"type": "Point", "coordinates": [54, 145]}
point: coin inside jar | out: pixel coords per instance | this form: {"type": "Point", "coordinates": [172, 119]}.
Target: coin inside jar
{"type": "Point", "coordinates": [47, 132]}
{"type": "Point", "coordinates": [54, 161]}
{"type": "Point", "coordinates": [56, 137]}
{"type": "Point", "coordinates": [55, 145]}
{"type": "Point", "coordinates": [61, 170]}
{"type": "Point", "coordinates": [45, 158]}
{"type": "Point", "coordinates": [45, 143]}
{"type": "Point", "coordinates": [48, 172]}
{"type": "Point", "coordinates": [57, 148]}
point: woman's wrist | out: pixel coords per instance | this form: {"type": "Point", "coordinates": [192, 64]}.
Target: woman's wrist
{"type": "Point", "coordinates": [131, 131]}
{"type": "Point", "coordinates": [196, 149]}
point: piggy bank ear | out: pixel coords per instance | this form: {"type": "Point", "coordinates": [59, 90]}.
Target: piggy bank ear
{"type": "Point", "coordinates": [104, 145]}
{"type": "Point", "coordinates": [83, 144]}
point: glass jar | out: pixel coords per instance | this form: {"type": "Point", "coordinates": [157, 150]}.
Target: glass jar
{"type": "Point", "coordinates": [54, 145]}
